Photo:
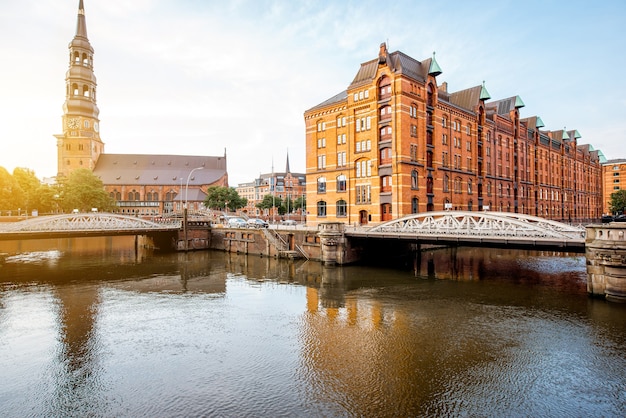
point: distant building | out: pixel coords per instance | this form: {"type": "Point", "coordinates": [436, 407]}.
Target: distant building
{"type": "Point", "coordinates": [396, 142]}
{"type": "Point", "coordinates": [613, 180]}
{"type": "Point", "coordinates": [283, 185]}
{"type": "Point", "coordinates": [151, 185]}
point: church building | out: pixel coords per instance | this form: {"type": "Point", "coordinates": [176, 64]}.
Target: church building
{"type": "Point", "coordinates": [145, 185]}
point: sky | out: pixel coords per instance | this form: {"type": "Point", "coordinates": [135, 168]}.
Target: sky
{"type": "Point", "coordinates": [204, 77]}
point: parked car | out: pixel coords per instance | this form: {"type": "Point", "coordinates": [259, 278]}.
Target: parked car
{"type": "Point", "coordinates": [607, 218]}
{"type": "Point", "coordinates": [289, 222]}
{"type": "Point", "coordinates": [257, 223]}
{"type": "Point", "coordinates": [620, 218]}
{"type": "Point", "coordinates": [236, 223]}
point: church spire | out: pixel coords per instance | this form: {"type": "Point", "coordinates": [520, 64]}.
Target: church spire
{"type": "Point", "coordinates": [79, 146]}
{"type": "Point", "coordinates": [81, 24]}
{"type": "Point", "coordinates": [287, 170]}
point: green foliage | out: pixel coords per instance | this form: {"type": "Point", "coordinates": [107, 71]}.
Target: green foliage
{"type": "Point", "coordinates": [219, 196]}
{"type": "Point", "coordinates": [11, 194]}
{"type": "Point", "coordinates": [82, 190]}
{"type": "Point", "coordinates": [618, 202]}
{"type": "Point", "coordinates": [270, 201]}
{"type": "Point", "coordinates": [300, 203]}
{"type": "Point", "coordinates": [30, 185]}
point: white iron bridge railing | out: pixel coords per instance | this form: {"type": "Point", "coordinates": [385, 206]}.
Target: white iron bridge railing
{"type": "Point", "coordinates": [100, 221]}
{"type": "Point", "coordinates": [481, 224]}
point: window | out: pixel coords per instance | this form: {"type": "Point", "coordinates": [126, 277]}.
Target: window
{"type": "Point", "coordinates": [341, 183]}
{"type": "Point", "coordinates": [413, 111]}
{"type": "Point", "coordinates": [321, 142]}
{"type": "Point", "coordinates": [444, 122]}
{"type": "Point", "coordinates": [413, 151]}
{"type": "Point", "coordinates": [385, 184]}
{"type": "Point", "coordinates": [469, 186]}
{"type": "Point", "coordinates": [414, 205]}
{"type": "Point", "coordinates": [342, 209]}
{"type": "Point", "coordinates": [446, 183]}
{"type": "Point", "coordinates": [363, 168]}
{"type": "Point", "coordinates": [363, 194]}
{"type": "Point", "coordinates": [444, 139]}
{"type": "Point", "coordinates": [341, 159]}
{"type": "Point", "coordinates": [385, 156]}
{"type": "Point", "coordinates": [414, 183]}
{"type": "Point", "coordinates": [321, 185]}
{"type": "Point", "coordinates": [414, 130]}
{"type": "Point", "coordinates": [321, 208]}
{"type": "Point", "coordinates": [457, 185]}
{"type": "Point", "coordinates": [321, 161]}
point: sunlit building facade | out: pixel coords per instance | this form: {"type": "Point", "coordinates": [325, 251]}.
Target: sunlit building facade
{"type": "Point", "coordinates": [396, 142]}
{"type": "Point", "coordinates": [140, 184]}
{"type": "Point", "coordinates": [613, 180]}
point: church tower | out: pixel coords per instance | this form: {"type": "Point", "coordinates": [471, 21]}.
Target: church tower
{"type": "Point", "coordinates": [79, 146]}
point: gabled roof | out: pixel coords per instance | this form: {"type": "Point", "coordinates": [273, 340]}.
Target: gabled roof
{"type": "Point", "coordinates": [398, 62]}
{"type": "Point", "coordinates": [337, 98]}
{"type": "Point", "coordinates": [149, 169]}
{"type": "Point", "coordinates": [467, 98]}
{"type": "Point", "coordinates": [504, 106]}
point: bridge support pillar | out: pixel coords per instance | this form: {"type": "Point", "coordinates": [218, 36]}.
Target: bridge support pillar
{"type": "Point", "coordinates": [605, 249]}
{"type": "Point", "coordinates": [333, 242]}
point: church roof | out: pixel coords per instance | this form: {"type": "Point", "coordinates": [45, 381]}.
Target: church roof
{"type": "Point", "coordinates": [159, 170]}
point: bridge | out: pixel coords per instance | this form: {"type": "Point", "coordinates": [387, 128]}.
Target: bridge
{"type": "Point", "coordinates": [84, 225]}
{"type": "Point", "coordinates": [487, 229]}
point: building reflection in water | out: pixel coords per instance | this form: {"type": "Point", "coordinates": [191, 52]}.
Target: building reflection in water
{"type": "Point", "coordinates": [367, 340]}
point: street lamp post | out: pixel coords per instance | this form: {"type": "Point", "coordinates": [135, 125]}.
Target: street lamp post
{"type": "Point", "coordinates": [185, 207]}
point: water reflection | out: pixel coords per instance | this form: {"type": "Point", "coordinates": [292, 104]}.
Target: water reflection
{"type": "Point", "coordinates": [112, 331]}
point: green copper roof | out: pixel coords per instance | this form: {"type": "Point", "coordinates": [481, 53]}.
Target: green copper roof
{"type": "Point", "coordinates": [484, 94]}
{"type": "Point", "coordinates": [565, 135]}
{"type": "Point", "coordinates": [577, 134]}
{"type": "Point", "coordinates": [539, 123]}
{"type": "Point", "coordinates": [434, 68]}
{"type": "Point", "coordinates": [518, 102]}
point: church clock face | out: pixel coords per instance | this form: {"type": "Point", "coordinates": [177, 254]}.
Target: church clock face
{"type": "Point", "coordinates": [72, 123]}
{"type": "Point", "coordinates": [96, 127]}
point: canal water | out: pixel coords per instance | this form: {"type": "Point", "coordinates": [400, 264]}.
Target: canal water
{"type": "Point", "coordinates": [93, 328]}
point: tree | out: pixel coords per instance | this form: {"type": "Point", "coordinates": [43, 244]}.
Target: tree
{"type": "Point", "coordinates": [618, 202]}
{"type": "Point", "coordinates": [219, 196]}
{"type": "Point", "coordinates": [300, 203]}
{"type": "Point", "coordinates": [269, 201]}
{"type": "Point", "coordinates": [30, 185]}
{"type": "Point", "coordinates": [82, 190]}
{"type": "Point", "coordinates": [11, 194]}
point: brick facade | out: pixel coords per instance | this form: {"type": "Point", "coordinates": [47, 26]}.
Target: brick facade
{"type": "Point", "coordinates": [396, 142]}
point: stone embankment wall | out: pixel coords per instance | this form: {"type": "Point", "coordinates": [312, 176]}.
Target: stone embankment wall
{"type": "Point", "coordinates": [287, 243]}
{"type": "Point", "coordinates": [605, 248]}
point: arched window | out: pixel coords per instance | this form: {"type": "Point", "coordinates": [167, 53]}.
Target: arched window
{"type": "Point", "coordinates": [85, 90]}
{"type": "Point", "coordinates": [385, 112]}
{"type": "Point", "coordinates": [446, 183]}
{"type": "Point", "coordinates": [385, 133]}
{"type": "Point", "coordinates": [341, 183]}
{"type": "Point", "coordinates": [385, 184]}
{"type": "Point", "coordinates": [342, 208]}
{"type": "Point", "coordinates": [74, 89]}
{"type": "Point", "coordinates": [385, 156]}
{"type": "Point", "coordinates": [363, 168]}
{"type": "Point", "coordinates": [469, 186]}
{"type": "Point", "coordinates": [384, 88]}
{"type": "Point", "coordinates": [414, 183]}
{"type": "Point", "coordinates": [457, 185]}
{"type": "Point", "coordinates": [321, 185]}
{"type": "Point", "coordinates": [321, 208]}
